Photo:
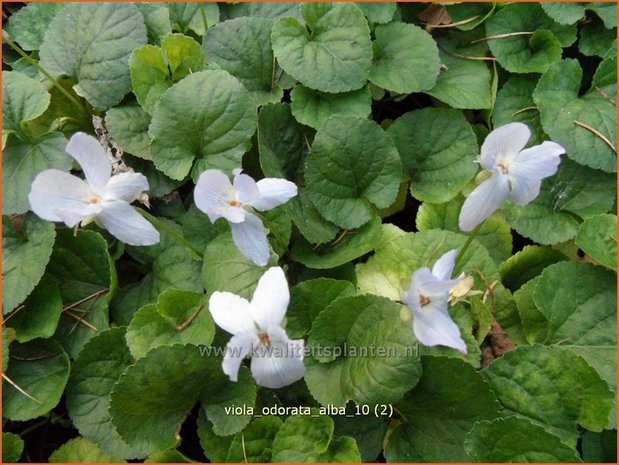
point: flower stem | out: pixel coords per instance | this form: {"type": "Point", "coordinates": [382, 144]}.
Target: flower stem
{"type": "Point", "coordinates": [43, 71]}
{"type": "Point", "coordinates": [203, 13]}
{"type": "Point", "coordinates": [169, 231]}
{"type": "Point", "coordinates": [468, 243]}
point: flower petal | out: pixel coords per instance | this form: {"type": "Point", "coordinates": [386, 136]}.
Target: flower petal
{"type": "Point", "coordinates": [231, 313]}
{"type": "Point", "coordinates": [278, 365]}
{"type": "Point", "coordinates": [433, 326]}
{"type": "Point", "coordinates": [271, 298]}
{"type": "Point", "coordinates": [92, 158]}
{"type": "Point", "coordinates": [213, 194]}
{"type": "Point", "coordinates": [273, 192]}
{"type": "Point", "coordinates": [444, 266]}
{"type": "Point", "coordinates": [251, 239]}
{"type": "Point", "coordinates": [247, 190]}
{"type": "Point", "coordinates": [530, 167]}
{"type": "Point", "coordinates": [483, 201]}
{"type": "Point", "coordinates": [237, 349]}
{"type": "Point", "coordinates": [125, 186]}
{"type": "Point", "coordinates": [505, 141]}
{"type": "Point", "coordinates": [125, 224]}
{"type": "Point", "coordinates": [429, 285]}
{"type": "Point", "coordinates": [55, 190]}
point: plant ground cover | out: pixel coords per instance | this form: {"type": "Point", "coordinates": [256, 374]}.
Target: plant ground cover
{"type": "Point", "coordinates": [403, 214]}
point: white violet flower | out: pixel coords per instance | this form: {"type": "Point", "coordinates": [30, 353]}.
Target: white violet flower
{"type": "Point", "coordinates": [216, 196]}
{"type": "Point", "coordinates": [427, 299]}
{"type": "Point", "coordinates": [276, 361]}
{"type": "Point", "coordinates": [103, 198]}
{"type": "Point", "coordinates": [516, 174]}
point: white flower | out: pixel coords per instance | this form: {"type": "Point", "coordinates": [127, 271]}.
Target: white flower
{"type": "Point", "coordinates": [59, 196]}
{"type": "Point", "coordinates": [256, 328]}
{"type": "Point", "coordinates": [427, 299]}
{"type": "Point", "coordinates": [217, 197]}
{"type": "Point", "coordinates": [516, 174]}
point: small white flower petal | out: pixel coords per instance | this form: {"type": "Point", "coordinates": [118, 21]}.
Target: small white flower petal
{"type": "Point", "coordinates": [231, 313]}
{"type": "Point", "coordinates": [433, 326]}
{"type": "Point", "coordinates": [55, 190]}
{"type": "Point", "coordinates": [125, 224]}
{"type": "Point", "coordinates": [75, 216]}
{"type": "Point", "coordinates": [273, 193]}
{"type": "Point", "coordinates": [213, 194]}
{"type": "Point", "coordinates": [429, 285]}
{"type": "Point", "coordinates": [444, 266]}
{"type": "Point", "coordinates": [125, 186]}
{"type": "Point", "coordinates": [483, 201]}
{"type": "Point", "coordinates": [247, 190]}
{"type": "Point", "coordinates": [530, 167]}
{"type": "Point", "coordinates": [251, 239]}
{"type": "Point", "coordinates": [271, 298]}
{"type": "Point", "coordinates": [92, 158]}
{"type": "Point", "coordinates": [237, 349]}
{"type": "Point", "coordinates": [278, 365]}
{"type": "Point", "coordinates": [504, 142]}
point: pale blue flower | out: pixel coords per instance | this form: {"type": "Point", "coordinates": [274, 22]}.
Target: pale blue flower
{"type": "Point", "coordinates": [427, 299]}
{"type": "Point", "coordinates": [515, 174]}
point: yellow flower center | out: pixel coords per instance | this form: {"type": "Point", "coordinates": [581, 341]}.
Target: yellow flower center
{"type": "Point", "coordinates": [502, 166]}
{"type": "Point", "coordinates": [234, 203]}
{"type": "Point", "coordinates": [423, 300]}
{"type": "Point", "coordinates": [95, 200]}
{"type": "Point", "coordinates": [264, 339]}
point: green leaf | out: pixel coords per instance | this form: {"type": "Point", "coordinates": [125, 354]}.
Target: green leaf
{"type": "Point", "coordinates": [514, 102]}
{"type": "Point", "coordinates": [341, 450]}
{"type": "Point", "coordinates": [215, 447]}
{"type": "Point", "coordinates": [599, 447]}
{"type": "Point", "coordinates": [80, 450]}
{"type": "Point", "coordinates": [437, 147]}
{"type": "Point", "coordinates": [367, 431]}
{"type": "Point", "coordinates": [188, 16]}
{"type": "Point", "coordinates": [128, 126]}
{"type": "Point", "coordinates": [527, 264]}
{"type": "Point", "coordinates": [268, 10]}
{"type": "Point", "coordinates": [168, 456]}
{"type": "Point", "coordinates": [389, 270]}
{"type": "Point", "coordinates": [353, 164]}
{"type": "Point", "coordinates": [157, 20]}
{"type": "Point", "coordinates": [595, 39]}
{"type": "Point", "coordinates": [86, 277]}
{"type": "Point", "coordinates": [155, 69]}
{"type": "Point", "coordinates": [147, 408]}
{"type": "Point", "coordinates": [494, 234]}
{"type": "Point", "coordinates": [91, 43]}
{"type": "Point", "coordinates": [302, 438]}
{"type": "Point", "coordinates": [574, 190]}
{"type": "Point", "coordinates": [26, 251]}
{"type": "Point", "coordinates": [552, 387]}
{"type": "Point", "coordinates": [8, 336]}
{"type": "Point", "coordinates": [40, 314]}
{"type": "Point", "coordinates": [243, 48]}
{"type": "Point", "coordinates": [365, 335]}
{"type": "Point", "coordinates": [405, 58]}
{"type": "Point", "coordinates": [313, 108]}
{"type": "Point", "coordinates": [40, 368]}
{"type": "Point", "coordinates": [559, 103]}
{"type": "Point", "coordinates": [30, 23]}
{"type": "Point", "coordinates": [335, 57]}
{"type": "Point", "coordinates": [255, 443]}
{"type": "Point", "coordinates": [178, 317]}
{"type": "Point", "coordinates": [439, 413]}
{"type": "Point", "coordinates": [583, 316]}
{"type": "Point", "coordinates": [308, 299]}
{"type": "Point", "coordinates": [12, 447]}
{"type": "Point", "coordinates": [526, 53]}
{"type": "Point", "coordinates": [597, 237]}
{"type": "Point", "coordinates": [159, 185]}
{"type": "Point", "coordinates": [515, 439]}
{"type": "Point", "coordinates": [170, 264]}
{"type": "Point", "coordinates": [351, 244]}
{"type": "Point", "coordinates": [606, 12]}
{"type": "Point", "coordinates": [533, 322]}
{"type": "Point", "coordinates": [380, 13]}
{"type": "Point", "coordinates": [22, 161]}
{"type": "Point", "coordinates": [564, 13]}
{"type": "Point", "coordinates": [226, 269]}
{"type": "Point", "coordinates": [462, 83]}
{"type": "Point", "coordinates": [469, 15]}
{"type": "Point", "coordinates": [208, 118]}
{"type": "Point", "coordinates": [95, 371]}
{"type": "Point", "coordinates": [23, 99]}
